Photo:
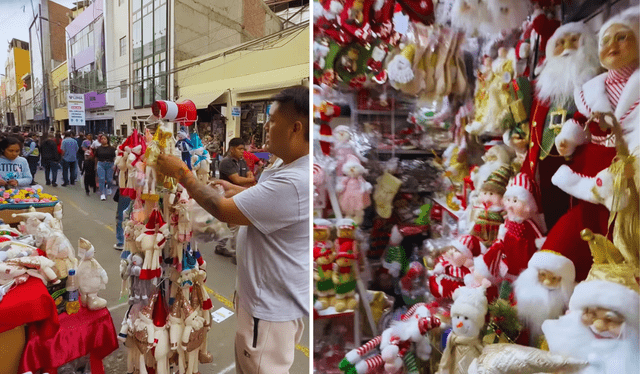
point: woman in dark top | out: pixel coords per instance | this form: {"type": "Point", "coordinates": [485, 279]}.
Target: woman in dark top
{"type": "Point", "coordinates": [105, 154]}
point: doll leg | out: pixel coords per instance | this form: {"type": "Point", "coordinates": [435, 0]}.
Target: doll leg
{"type": "Point", "coordinates": [192, 358]}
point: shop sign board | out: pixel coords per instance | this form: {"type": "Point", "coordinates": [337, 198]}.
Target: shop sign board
{"type": "Point", "coordinates": [75, 107]}
{"type": "Point", "coordinates": [235, 111]}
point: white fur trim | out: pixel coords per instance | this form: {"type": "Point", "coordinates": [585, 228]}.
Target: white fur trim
{"type": "Point", "coordinates": [461, 248]}
{"type": "Point", "coordinates": [539, 242]}
{"type": "Point", "coordinates": [553, 262]}
{"type": "Point", "coordinates": [573, 134]}
{"type": "Point", "coordinates": [480, 267]}
{"type": "Point", "coordinates": [521, 193]}
{"type": "Point", "coordinates": [594, 95]}
{"type": "Point", "coordinates": [605, 294]}
{"type": "Point", "coordinates": [321, 222]}
{"type": "Point", "coordinates": [172, 110]}
{"type": "Point", "coordinates": [629, 95]}
{"type": "Point", "coordinates": [574, 184]}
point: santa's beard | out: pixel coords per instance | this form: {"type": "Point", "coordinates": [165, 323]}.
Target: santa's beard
{"type": "Point", "coordinates": [570, 337]}
{"type": "Point", "coordinates": [561, 75]}
{"type": "Point", "coordinates": [537, 303]}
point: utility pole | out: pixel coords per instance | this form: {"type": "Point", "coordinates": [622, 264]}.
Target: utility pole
{"type": "Point", "coordinates": [46, 60]}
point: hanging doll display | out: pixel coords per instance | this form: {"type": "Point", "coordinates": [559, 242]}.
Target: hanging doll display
{"type": "Point", "coordinates": [354, 193]}
{"type": "Point", "coordinates": [185, 147]}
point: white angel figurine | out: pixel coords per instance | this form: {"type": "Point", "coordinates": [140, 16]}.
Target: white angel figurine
{"type": "Point", "coordinates": [91, 276]}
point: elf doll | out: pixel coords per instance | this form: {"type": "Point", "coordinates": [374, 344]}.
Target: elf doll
{"type": "Point", "coordinates": [454, 265]}
{"type": "Point", "coordinates": [185, 147]}
{"type": "Point", "coordinates": [489, 206]}
{"type": "Point", "coordinates": [520, 236]}
{"type": "Point", "coordinates": [592, 144]}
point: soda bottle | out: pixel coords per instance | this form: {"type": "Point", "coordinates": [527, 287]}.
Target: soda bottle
{"type": "Point", "coordinates": [73, 299]}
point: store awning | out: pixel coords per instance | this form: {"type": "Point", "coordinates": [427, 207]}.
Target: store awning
{"type": "Point", "coordinates": [201, 94]}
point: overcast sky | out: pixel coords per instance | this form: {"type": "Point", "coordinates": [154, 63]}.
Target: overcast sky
{"type": "Point", "coordinates": [15, 18]}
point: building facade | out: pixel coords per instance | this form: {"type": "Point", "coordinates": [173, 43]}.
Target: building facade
{"type": "Point", "coordinates": [60, 89]}
{"type": "Point", "coordinates": [16, 66]}
{"type": "Point", "coordinates": [47, 51]}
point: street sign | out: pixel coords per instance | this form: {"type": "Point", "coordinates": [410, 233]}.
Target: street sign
{"type": "Point", "coordinates": [235, 111]}
{"type": "Point", "coordinates": [75, 107]}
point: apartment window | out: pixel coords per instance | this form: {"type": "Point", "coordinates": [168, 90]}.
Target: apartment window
{"type": "Point", "coordinates": [149, 51]}
{"type": "Point", "coordinates": [123, 46]}
{"type": "Point", "coordinates": [123, 89]}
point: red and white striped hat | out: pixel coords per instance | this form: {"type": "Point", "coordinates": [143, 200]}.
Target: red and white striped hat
{"type": "Point", "coordinates": [469, 246]}
{"type": "Point", "coordinates": [523, 187]}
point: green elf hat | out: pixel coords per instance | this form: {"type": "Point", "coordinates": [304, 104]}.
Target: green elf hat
{"type": "Point", "coordinates": [498, 180]}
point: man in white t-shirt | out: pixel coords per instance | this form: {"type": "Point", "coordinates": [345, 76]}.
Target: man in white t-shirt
{"type": "Point", "coordinates": [273, 291]}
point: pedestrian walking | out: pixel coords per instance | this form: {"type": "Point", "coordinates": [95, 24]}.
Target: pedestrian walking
{"type": "Point", "coordinates": [89, 171]}
{"type": "Point", "coordinates": [31, 151]}
{"type": "Point", "coordinates": [14, 169]}
{"type": "Point", "coordinates": [69, 149]}
{"type": "Point", "coordinates": [80, 153]}
{"type": "Point", "coordinates": [105, 155]}
{"type": "Point", "coordinates": [50, 159]}
{"type": "Point", "coordinates": [123, 204]}
{"type": "Point", "coordinates": [273, 244]}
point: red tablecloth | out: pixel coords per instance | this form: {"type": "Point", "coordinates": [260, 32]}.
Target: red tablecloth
{"type": "Point", "coordinates": [29, 303]}
{"type": "Point", "coordinates": [79, 334]}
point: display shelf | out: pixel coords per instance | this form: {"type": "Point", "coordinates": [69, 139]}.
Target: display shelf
{"type": "Point", "coordinates": [330, 312]}
{"type": "Point", "coordinates": [405, 151]}
{"type": "Point", "coordinates": [383, 112]}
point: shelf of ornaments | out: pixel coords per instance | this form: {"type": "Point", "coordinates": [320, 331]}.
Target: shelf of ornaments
{"type": "Point", "coordinates": [402, 112]}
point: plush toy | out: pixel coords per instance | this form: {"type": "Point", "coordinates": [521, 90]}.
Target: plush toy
{"type": "Point", "coordinates": [193, 335]}
{"type": "Point", "coordinates": [384, 193]}
{"type": "Point", "coordinates": [152, 240]}
{"type": "Point", "coordinates": [36, 266]}
{"type": "Point", "coordinates": [488, 212]}
{"type": "Point", "coordinates": [342, 147]}
{"type": "Point", "coordinates": [144, 335]}
{"type": "Point", "coordinates": [470, 16]}
{"type": "Point", "coordinates": [592, 146]}
{"type": "Point", "coordinates": [454, 265]}
{"type": "Point", "coordinates": [59, 249]}
{"type": "Point", "coordinates": [185, 147]}
{"type": "Point", "coordinates": [467, 319]}
{"type": "Point", "coordinates": [520, 237]}
{"type": "Point", "coordinates": [395, 258]}
{"type": "Point", "coordinates": [542, 291]}
{"type": "Point", "coordinates": [201, 299]}
{"type": "Point", "coordinates": [400, 68]}
{"type": "Point", "coordinates": [504, 358]}
{"type": "Point", "coordinates": [139, 290]}
{"type": "Point", "coordinates": [343, 275]}
{"type": "Point", "coordinates": [354, 192]}
{"type": "Point", "coordinates": [399, 345]}
{"type": "Point", "coordinates": [91, 277]}
{"type": "Point", "coordinates": [324, 257]}
{"type": "Point", "coordinates": [176, 329]}
{"type": "Point", "coordinates": [507, 14]}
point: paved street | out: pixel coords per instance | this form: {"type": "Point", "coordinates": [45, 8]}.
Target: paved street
{"type": "Point", "coordinates": [88, 217]}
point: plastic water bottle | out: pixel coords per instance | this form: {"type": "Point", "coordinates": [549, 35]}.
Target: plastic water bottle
{"type": "Point", "coordinates": [73, 299]}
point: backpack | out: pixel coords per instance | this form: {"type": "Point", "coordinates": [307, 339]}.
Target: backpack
{"type": "Point", "coordinates": [27, 148]}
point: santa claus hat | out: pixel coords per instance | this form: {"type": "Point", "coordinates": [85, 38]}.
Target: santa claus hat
{"type": "Point", "coordinates": [571, 28]}
{"type": "Point", "coordinates": [524, 188]}
{"type": "Point", "coordinates": [155, 219]}
{"type": "Point", "coordinates": [346, 251]}
{"type": "Point", "coordinates": [470, 302]}
{"type": "Point", "coordinates": [555, 263]}
{"type": "Point", "coordinates": [629, 18]}
{"type": "Point", "coordinates": [351, 160]}
{"type": "Point", "coordinates": [469, 246]}
{"type": "Point", "coordinates": [609, 295]}
{"type": "Point", "coordinates": [341, 128]}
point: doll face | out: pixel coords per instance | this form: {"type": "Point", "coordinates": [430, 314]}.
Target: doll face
{"type": "Point", "coordinates": [603, 323]}
{"type": "Point", "coordinates": [489, 198]}
{"type": "Point", "coordinates": [456, 257]}
{"type": "Point", "coordinates": [567, 44]}
{"type": "Point", "coordinates": [464, 326]}
{"type": "Point", "coordinates": [618, 48]}
{"type": "Point", "coordinates": [549, 279]}
{"type": "Point", "coordinates": [320, 234]}
{"type": "Point", "coordinates": [345, 232]}
{"type": "Point", "coordinates": [517, 209]}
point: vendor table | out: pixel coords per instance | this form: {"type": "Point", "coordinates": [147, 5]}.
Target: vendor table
{"type": "Point", "coordinates": [87, 332]}
{"type": "Point", "coordinates": [28, 303]}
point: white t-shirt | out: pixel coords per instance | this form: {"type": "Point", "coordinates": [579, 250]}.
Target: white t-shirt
{"type": "Point", "coordinates": [273, 253]}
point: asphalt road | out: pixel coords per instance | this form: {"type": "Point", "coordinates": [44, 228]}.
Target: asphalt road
{"type": "Point", "coordinates": [88, 217]}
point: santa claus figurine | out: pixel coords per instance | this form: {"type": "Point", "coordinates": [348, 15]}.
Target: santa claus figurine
{"type": "Point", "coordinates": [591, 144]}
{"type": "Point", "coordinates": [543, 290]}
{"type": "Point", "coordinates": [520, 235]}
{"type": "Point", "coordinates": [601, 327]}
{"type": "Point", "coordinates": [570, 62]}
{"type": "Point", "coordinates": [453, 266]}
